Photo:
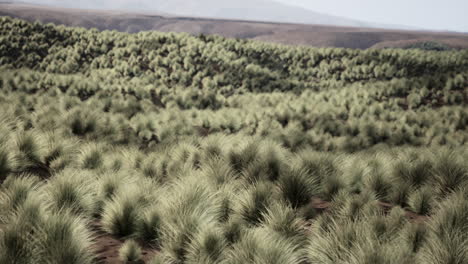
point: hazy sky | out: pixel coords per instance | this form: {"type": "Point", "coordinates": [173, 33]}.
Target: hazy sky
{"type": "Point", "coordinates": [429, 14]}
{"type": "Point", "coordinates": [424, 14]}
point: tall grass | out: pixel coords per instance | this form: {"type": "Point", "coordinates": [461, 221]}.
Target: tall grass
{"type": "Point", "coordinates": [190, 208]}
{"type": "Point", "coordinates": [208, 246]}
{"type": "Point", "coordinates": [121, 215]}
{"type": "Point", "coordinates": [254, 201]}
{"type": "Point", "coordinates": [322, 168]}
{"type": "Point", "coordinates": [447, 239]}
{"type": "Point", "coordinates": [64, 238]}
{"type": "Point", "coordinates": [297, 187]}
{"type": "Point", "coordinates": [450, 172]}
{"type": "Point", "coordinates": [261, 246]}
{"type": "Point", "coordinates": [130, 252]}
{"type": "Point", "coordinates": [72, 190]}
{"type": "Point", "coordinates": [150, 226]}
{"type": "Point", "coordinates": [284, 220]}
{"type": "Point", "coordinates": [17, 244]}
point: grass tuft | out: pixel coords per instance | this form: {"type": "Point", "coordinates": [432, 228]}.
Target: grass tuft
{"type": "Point", "coordinates": [259, 245]}
{"type": "Point", "coordinates": [208, 246]}
{"type": "Point", "coordinates": [447, 238]}
{"type": "Point", "coordinates": [130, 252]}
{"type": "Point", "coordinates": [121, 215]}
{"type": "Point", "coordinates": [297, 187]}
{"type": "Point", "coordinates": [150, 226]}
{"type": "Point", "coordinates": [450, 172]}
{"type": "Point", "coordinates": [92, 157]}
{"type": "Point", "coordinates": [422, 201]}
{"type": "Point", "coordinates": [254, 201]}
{"type": "Point", "coordinates": [72, 190]}
{"type": "Point", "coordinates": [283, 220]}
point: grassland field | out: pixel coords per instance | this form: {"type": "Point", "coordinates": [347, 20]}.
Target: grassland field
{"type": "Point", "coordinates": [171, 148]}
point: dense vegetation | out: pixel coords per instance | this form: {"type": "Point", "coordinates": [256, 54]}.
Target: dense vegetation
{"type": "Point", "coordinates": [429, 45]}
{"type": "Point", "coordinates": [214, 150]}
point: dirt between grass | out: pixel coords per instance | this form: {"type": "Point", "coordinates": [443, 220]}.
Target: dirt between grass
{"type": "Point", "coordinates": [107, 247]}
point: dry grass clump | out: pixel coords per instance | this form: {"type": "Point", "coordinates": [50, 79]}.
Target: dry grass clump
{"type": "Point", "coordinates": [130, 252]}
{"type": "Point", "coordinates": [121, 215]}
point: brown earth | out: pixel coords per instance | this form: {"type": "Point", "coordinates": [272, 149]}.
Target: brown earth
{"type": "Point", "coordinates": [294, 34]}
{"type": "Point", "coordinates": [107, 247]}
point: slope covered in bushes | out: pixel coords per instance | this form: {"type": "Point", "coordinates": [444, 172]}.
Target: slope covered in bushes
{"type": "Point", "coordinates": [213, 150]}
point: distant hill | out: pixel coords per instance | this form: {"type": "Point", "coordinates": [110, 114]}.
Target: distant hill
{"type": "Point", "coordinates": [258, 10]}
{"type": "Point", "coordinates": [286, 33]}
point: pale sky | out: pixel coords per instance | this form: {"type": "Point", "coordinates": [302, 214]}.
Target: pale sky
{"type": "Point", "coordinates": [426, 14]}
{"type": "Point", "coordinates": [418, 14]}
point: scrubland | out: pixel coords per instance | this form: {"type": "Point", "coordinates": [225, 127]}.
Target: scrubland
{"type": "Point", "coordinates": [212, 150]}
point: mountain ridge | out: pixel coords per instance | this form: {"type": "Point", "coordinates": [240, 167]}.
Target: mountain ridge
{"type": "Point", "coordinates": [284, 33]}
{"type": "Point", "coordinates": [256, 10]}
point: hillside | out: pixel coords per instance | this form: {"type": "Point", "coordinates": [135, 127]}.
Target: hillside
{"type": "Point", "coordinates": [254, 10]}
{"type": "Point", "coordinates": [296, 34]}
{"type": "Point", "coordinates": [171, 148]}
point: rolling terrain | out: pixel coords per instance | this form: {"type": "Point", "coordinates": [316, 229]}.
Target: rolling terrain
{"type": "Point", "coordinates": [257, 10]}
{"type": "Point", "coordinates": [171, 148]}
{"type": "Point", "coordinates": [294, 34]}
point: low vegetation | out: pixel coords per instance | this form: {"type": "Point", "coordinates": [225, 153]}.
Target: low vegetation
{"type": "Point", "coordinates": [213, 150]}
